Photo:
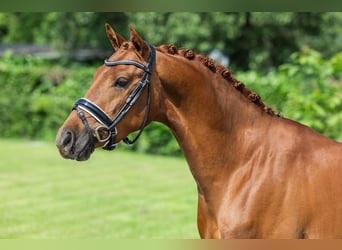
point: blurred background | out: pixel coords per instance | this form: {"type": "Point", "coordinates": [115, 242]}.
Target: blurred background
{"type": "Point", "coordinates": [293, 60]}
{"type": "Point", "coordinates": [47, 61]}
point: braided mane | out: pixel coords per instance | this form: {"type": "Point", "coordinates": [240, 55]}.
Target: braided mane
{"type": "Point", "coordinates": [219, 69]}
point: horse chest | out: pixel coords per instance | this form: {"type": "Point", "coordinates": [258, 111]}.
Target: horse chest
{"type": "Point", "coordinates": [259, 210]}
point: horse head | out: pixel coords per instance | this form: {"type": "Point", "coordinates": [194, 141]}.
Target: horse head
{"type": "Point", "coordinates": [117, 103]}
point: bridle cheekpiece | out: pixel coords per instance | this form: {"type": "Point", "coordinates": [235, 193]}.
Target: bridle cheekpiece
{"type": "Point", "coordinates": [107, 131]}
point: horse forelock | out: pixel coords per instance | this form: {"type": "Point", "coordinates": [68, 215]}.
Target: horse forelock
{"type": "Point", "coordinates": [216, 68]}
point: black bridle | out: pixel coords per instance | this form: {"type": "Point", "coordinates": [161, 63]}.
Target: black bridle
{"type": "Point", "coordinates": [107, 131]}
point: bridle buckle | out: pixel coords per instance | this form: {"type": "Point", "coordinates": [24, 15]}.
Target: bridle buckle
{"type": "Point", "coordinates": [102, 133]}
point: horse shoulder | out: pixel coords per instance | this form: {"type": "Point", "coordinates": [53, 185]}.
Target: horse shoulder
{"type": "Point", "coordinates": [277, 192]}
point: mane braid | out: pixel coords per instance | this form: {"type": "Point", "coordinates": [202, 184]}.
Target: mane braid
{"type": "Point", "coordinates": [219, 69]}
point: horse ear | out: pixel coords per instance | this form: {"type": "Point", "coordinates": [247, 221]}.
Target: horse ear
{"type": "Point", "coordinates": [139, 44]}
{"type": "Point", "coordinates": [115, 39]}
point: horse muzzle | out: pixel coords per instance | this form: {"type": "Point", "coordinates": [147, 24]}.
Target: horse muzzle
{"type": "Point", "coordinates": [74, 145]}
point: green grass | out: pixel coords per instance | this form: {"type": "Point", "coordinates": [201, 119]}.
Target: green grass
{"type": "Point", "coordinates": [113, 195]}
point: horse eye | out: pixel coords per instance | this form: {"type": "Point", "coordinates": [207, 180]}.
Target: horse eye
{"type": "Point", "coordinates": [121, 82]}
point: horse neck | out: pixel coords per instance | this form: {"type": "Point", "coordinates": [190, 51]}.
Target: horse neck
{"type": "Point", "coordinates": [207, 115]}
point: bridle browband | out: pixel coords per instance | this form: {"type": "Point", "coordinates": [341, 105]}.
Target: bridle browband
{"type": "Point", "coordinates": [108, 125]}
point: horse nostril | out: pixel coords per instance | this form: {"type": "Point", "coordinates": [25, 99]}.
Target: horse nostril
{"type": "Point", "coordinates": [68, 139]}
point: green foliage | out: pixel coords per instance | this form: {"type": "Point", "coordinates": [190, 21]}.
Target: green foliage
{"type": "Point", "coordinates": [308, 90]}
{"type": "Point", "coordinates": [158, 139]}
{"type": "Point", "coordinates": [317, 102]}
{"type": "Point", "coordinates": [252, 40]}
{"type": "Point", "coordinates": [35, 96]}
{"type": "Point", "coordinates": [63, 30]}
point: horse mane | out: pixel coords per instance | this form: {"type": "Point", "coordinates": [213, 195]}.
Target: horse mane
{"type": "Point", "coordinates": [225, 73]}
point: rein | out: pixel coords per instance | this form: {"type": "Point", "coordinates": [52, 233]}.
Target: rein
{"type": "Point", "coordinates": [107, 131]}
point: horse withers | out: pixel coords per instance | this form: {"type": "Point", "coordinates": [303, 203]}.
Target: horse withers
{"type": "Point", "coordinates": [258, 175]}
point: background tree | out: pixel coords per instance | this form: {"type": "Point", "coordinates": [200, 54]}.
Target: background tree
{"type": "Point", "coordinates": [256, 41]}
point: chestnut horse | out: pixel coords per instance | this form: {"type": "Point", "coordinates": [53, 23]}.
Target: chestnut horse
{"type": "Point", "coordinates": [258, 174]}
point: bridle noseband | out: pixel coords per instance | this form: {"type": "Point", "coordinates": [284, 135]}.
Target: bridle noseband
{"type": "Point", "coordinates": [107, 131]}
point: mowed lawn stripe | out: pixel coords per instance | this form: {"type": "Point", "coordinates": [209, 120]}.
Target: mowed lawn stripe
{"type": "Point", "coordinates": [113, 195]}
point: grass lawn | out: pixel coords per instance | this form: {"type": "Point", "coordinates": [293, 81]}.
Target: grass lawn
{"type": "Point", "coordinates": [113, 195]}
